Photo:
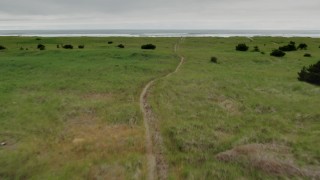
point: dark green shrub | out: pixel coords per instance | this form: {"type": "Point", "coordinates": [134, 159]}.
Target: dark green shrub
{"type": "Point", "coordinates": [310, 74]}
{"type": "Point", "coordinates": [214, 59]}
{"type": "Point", "coordinates": [110, 42]}
{"type": "Point", "coordinates": [256, 49]}
{"type": "Point", "coordinates": [2, 47]}
{"type": "Point", "coordinates": [277, 53]}
{"type": "Point", "coordinates": [38, 39]}
{"type": "Point", "coordinates": [58, 46]}
{"type": "Point", "coordinates": [303, 46]}
{"type": "Point", "coordinates": [41, 47]}
{"type": "Point", "coordinates": [21, 49]}
{"type": "Point", "coordinates": [68, 46]}
{"type": "Point", "coordinates": [81, 46]}
{"type": "Point", "coordinates": [262, 52]}
{"type": "Point", "coordinates": [307, 55]}
{"type": "Point", "coordinates": [242, 47]}
{"type": "Point", "coordinates": [290, 47]}
{"type": "Point", "coordinates": [148, 46]}
{"type": "Point", "coordinates": [120, 46]}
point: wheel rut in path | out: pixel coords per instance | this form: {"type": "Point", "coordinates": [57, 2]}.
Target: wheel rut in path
{"type": "Point", "coordinates": [157, 165]}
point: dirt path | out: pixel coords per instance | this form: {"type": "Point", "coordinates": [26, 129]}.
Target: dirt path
{"type": "Point", "coordinates": [157, 165]}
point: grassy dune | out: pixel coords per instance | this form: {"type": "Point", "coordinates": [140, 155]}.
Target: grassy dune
{"type": "Point", "coordinates": [246, 117]}
{"type": "Point", "coordinates": [74, 114]}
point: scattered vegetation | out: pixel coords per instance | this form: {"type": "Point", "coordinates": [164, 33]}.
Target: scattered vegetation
{"type": "Point", "coordinates": [303, 46]}
{"type": "Point", "coordinates": [310, 74]}
{"type": "Point", "coordinates": [242, 47]}
{"type": "Point", "coordinates": [68, 46]}
{"type": "Point", "coordinates": [290, 47]}
{"type": "Point", "coordinates": [256, 49]}
{"type": "Point", "coordinates": [2, 47]}
{"type": "Point", "coordinates": [120, 46]}
{"type": "Point", "coordinates": [81, 46]}
{"type": "Point", "coordinates": [148, 46]}
{"type": "Point", "coordinates": [214, 59]}
{"type": "Point", "coordinates": [41, 47]}
{"type": "Point", "coordinates": [307, 55]}
{"type": "Point", "coordinates": [277, 53]}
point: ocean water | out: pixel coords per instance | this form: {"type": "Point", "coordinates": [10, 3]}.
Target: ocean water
{"type": "Point", "coordinates": [161, 33]}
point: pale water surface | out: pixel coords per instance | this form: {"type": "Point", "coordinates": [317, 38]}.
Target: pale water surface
{"type": "Point", "coordinates": [161, 33]}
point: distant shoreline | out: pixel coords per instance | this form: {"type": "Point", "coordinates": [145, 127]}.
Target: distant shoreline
{"type": "Point", "coordinates": [161, 33]}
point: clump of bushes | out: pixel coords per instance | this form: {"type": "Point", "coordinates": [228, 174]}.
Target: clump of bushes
{"type": "Point", "coordinates": [68, 46]}
{"type": "Point", "coordinates": [41, 47]}
{"type": "Point", "coordinates": [148, 46]}
{"type": "Point", "coordinates": [214, 59]}
{"type": "Point", "coordinates": [81, 46]}
{"type": "Point", "coordinates": [2, 47]}
{"type": "Point", "coordinates": [307, 55]}
{"type": "Point", "coordinates": [120, 46]}
{"type": "Point", "coordinates": [310, 74]}
{"type": "Point", "coordinates": [277, 53]}
{"type": "Point", "coordinates": [303, 46]}
{"type": "Point", "coordinates": [290, 47]}
{"type": "Point", "coordinates": [38, 39]}
{"type": "Point", "coordinates": [110, 42]}
{"type": "Point", "coordinates": [242, 47]}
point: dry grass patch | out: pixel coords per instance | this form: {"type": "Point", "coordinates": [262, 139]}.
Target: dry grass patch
{"type": "Point", "coordinates": [270, 158]}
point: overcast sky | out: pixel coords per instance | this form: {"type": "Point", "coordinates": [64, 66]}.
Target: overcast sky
{"type": "Point", "coordinates": [160, 14]}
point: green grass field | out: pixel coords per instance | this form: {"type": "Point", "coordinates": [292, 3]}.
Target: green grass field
{"type": "Point", "coordinates": [246, 117]}
{"type": "Point", "coordinates": [74, 114]}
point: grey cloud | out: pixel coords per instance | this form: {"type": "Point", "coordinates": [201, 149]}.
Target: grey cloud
{"type": "Point", "coordinates": [160, 13]}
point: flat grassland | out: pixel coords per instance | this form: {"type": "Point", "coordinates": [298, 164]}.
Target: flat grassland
{"type": "Point", "coordinates": [246, 117]}
{"type": "Point", "coordinates": [74, 114]}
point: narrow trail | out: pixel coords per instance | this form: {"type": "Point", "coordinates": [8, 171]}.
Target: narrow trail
{"type": "Point", "coordinates": [157, 165]}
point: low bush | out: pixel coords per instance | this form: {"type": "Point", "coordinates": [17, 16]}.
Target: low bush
{"type": "Point", "coordinates": [148, 46]}
{"type": "Point", "coordinates": [38, 39]}
{"type": "Point", "coordinates": [21, 49]}
{"type": "Point", "coordinates": [120, 46]}
{"type": "Point", "coordinates": [58, 46]}
{"type": "Point", "coordinates": [256, 49]}
{"type": "Point", "coordinates": [307, 55]}
{"type": "Point", "coordinates": [290, 47]}
{"type": "Point", "coordinates": [214, 59]}
{"type": "Point", "coordinates": [110, 42]}
{"type": "Point", "coordinates": [41, 47]}
{"type": "Point", "coordinates": [242, 47]}
{"type": "Point", "coordinates": [303, 46]}
{"type": "Point", "coordinates": [68, 46]}
{"type": "Point", "coordinates": [2, 47]}
{"type": "Point", "coordinates": [81, 46]}
{"type": "Point", "coordinates": [310, 74]}
{"type": "Point", "coordinates": [277, 53]}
